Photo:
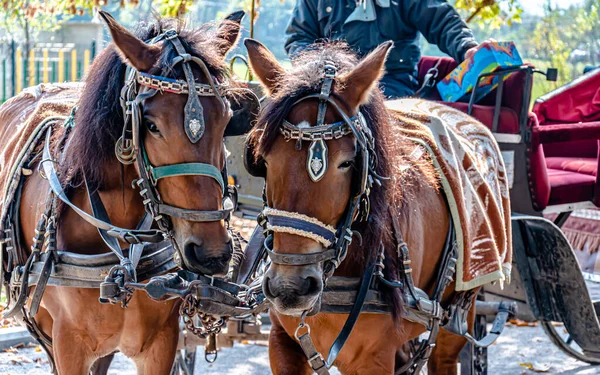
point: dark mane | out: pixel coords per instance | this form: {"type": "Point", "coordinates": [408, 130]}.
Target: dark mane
{"type": "Point", "coordinates": [303, 79]}
{"type": "Point", "coordinates": [99, 117]}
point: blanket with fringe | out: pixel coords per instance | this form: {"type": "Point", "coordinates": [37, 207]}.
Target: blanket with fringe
{"type": "Point", "coordinates": [472, 175]}
{"type": "Point", "coordinates": [20, 118]}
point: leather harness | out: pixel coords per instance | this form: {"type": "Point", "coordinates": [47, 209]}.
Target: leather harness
{"type": "Point", "coordinates": [366, 294]}
{"type": "Point", "coordinates": [244, 297]}
{"type": "Point", "coordinates": [148, 254]}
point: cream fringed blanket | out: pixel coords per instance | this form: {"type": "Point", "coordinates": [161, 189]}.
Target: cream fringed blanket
{"type": "Point", "coordinates": [472, 174]}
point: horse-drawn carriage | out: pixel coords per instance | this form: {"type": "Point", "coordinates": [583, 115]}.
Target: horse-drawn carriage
{"type": "Point", "coordinates": [543, 178]}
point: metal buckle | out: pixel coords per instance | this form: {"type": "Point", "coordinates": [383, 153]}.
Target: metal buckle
{"type": "Point", "coordinates": [170, 34]}
{"type": "Point", "coordinates": [329, 70]}
{"type": "Point", "coordinates": [319, 356]}
{"type": "Point", "coordinates": [151, 178]}
{"type": "Point", "coordinates": [300, 326]}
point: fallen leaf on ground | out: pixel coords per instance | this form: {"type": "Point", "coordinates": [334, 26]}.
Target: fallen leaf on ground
{"type": "Point", "coordinates": [522, 323]}
{"type": "Point", "coordinates": [535, 366]}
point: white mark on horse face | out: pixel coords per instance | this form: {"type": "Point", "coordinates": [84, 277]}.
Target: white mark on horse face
{"type": "Point", "coordinates": [303, 124]}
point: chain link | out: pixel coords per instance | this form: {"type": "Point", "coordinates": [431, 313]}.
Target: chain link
{"type": "Point", "coordinates": [208, 323]}
{"type": "Point", "coordinates": [338, 131]}
{"type": "Point", "coordinates": [177, 87]}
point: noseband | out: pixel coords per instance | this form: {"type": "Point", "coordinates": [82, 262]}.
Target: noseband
{"type": "Point", "coordinates": [337, 240]}
{"type": "Point", "coordinates": [130, 148]}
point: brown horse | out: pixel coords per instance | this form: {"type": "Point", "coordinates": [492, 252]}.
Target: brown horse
{"type": "Point", "coordinates": [375, 346]}
{"type": "Point", "coordinates": [83, 330]}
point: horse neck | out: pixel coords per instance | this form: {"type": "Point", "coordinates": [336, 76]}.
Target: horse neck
{"type": "Point", "coordinates": [359, 253]}
{"type": "Point", "coordinates": [123, 205]}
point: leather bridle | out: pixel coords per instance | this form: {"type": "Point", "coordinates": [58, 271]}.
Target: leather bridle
{"type": "Point", "coordinates": [336, 240]}
{"type": "Point", "coordinates": [130, 149]}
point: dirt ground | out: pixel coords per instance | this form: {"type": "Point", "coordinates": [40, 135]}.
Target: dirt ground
{"type": "Point", "coordinates": [520, 350]}
{"type": "Point", "coordinates": [517, 349]}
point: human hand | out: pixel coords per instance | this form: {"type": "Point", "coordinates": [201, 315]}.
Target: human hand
{"type": "Point", "coordinates": [471, 51]}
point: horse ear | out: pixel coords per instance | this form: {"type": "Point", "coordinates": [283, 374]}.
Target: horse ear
{"type": "Point", "coordinates": [264, 65]}
{"type": "Point", "coordinates": [229, 31]}
{"type": "Point", "coordinates": [360, 81]}
{"type": "Point", "coordinates": [132, 50]}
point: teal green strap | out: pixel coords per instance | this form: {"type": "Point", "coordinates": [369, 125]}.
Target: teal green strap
{"type": "Point", "coordinates": [187, 169]}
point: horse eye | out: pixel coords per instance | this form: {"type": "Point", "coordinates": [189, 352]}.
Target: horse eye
{"type": "Point", "coordinates": [152, 128]}
{"type": "Point", "coordinates": [346, 164]}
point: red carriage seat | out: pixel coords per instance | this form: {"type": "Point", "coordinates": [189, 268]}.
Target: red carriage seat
{"type": "Point", "coordinates": [512, 97]}
{"type": "Point", "coordinates": [565, 144]}
{"type": "Point", "coordinates": [563, 155]}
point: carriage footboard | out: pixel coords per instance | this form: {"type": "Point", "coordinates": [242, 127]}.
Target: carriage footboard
{"type": "Point", "coordinates": [555, 287]}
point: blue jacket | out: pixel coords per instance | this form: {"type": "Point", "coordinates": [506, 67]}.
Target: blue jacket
{"type": "Point", "coordinates": [398, 20]}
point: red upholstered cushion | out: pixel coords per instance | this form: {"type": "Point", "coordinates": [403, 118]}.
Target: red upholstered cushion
{"type": "Point", "coordinates": [570, 187]}
{"type": "Point", "coordinates": [509, 121]}
{"type": "Point", "coordinates": [588, 166]}
{"type": "Point", "coordinates": [578, 101]}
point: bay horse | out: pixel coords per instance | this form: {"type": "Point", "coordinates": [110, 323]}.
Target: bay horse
{"type": "Point", "coordinates": [311, 191]}
{"type": "Point", "coordinates": [156, 65]}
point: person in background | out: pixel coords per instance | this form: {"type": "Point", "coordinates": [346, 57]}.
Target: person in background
{"type": "Point", "coordinates": [364, 24]}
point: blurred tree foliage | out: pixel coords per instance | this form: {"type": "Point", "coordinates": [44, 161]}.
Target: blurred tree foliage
{"type": "Point", "coordinates": [492, 13]}
{"type": "Point", "coordinates": [567, 39]}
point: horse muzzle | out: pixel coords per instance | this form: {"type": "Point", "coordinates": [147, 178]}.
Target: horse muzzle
{"type": "Point", "coordinates": [206, 261]}
{"type": "Point", "coordinates": [292, 295]}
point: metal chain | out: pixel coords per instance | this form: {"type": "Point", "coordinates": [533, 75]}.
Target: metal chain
{"type": "Point", "coordinates": [177, 87]}
{"type": "Point", "coordinates": [308, 134]}
{"type": "Point", "coordinates": [208, 323]}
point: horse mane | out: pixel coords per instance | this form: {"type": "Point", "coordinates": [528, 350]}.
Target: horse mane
{"type": "Point", "coordinates": [391, 150]}
{"type": "Point", "coordinates": [99, 117]}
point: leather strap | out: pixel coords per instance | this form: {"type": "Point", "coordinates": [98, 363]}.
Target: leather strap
{"type": "Point", "coordinates": [99, 212]}
{"type": "Point", "coordinates": [315, 359]}
{"type": "Point", "coordinates": [342, 337]}
{"type": "Point", "coordinates": [113, 244]}
{"type": "Point", "coordinates": [297, 259]}
{"type": "Point", "coordinates": [193, 111]}
{"type": "Point", "coordinates": [36, 298]}
{"type": "Point", "coordinates": [187, 169]}
{"type": "Point", "coordinates": [301, 225]}
{"type": "Point", "coordinates": [193, 215]}
{"type": "Point", "coordinates": [504, 312]}
{"type": "Point", "coordinates": [127, 235]}
{"type": "Point", "coordinates": [253, 254]}
{"type": "Point", "coordinates": [136, 250]}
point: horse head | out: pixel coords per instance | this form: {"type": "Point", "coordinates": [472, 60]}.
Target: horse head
{"type": "Point", "coordinates": [176, 107]}
{"type": "Point", "coordinates": [315, 146]}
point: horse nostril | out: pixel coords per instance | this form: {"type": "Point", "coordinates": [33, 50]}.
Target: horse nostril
{"type": "Point", "coordinates": [191, 245]}
{"type": "Point", "coordinates": [310, 286]}
{"type": "Point", "coordinates": [267, 288]}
